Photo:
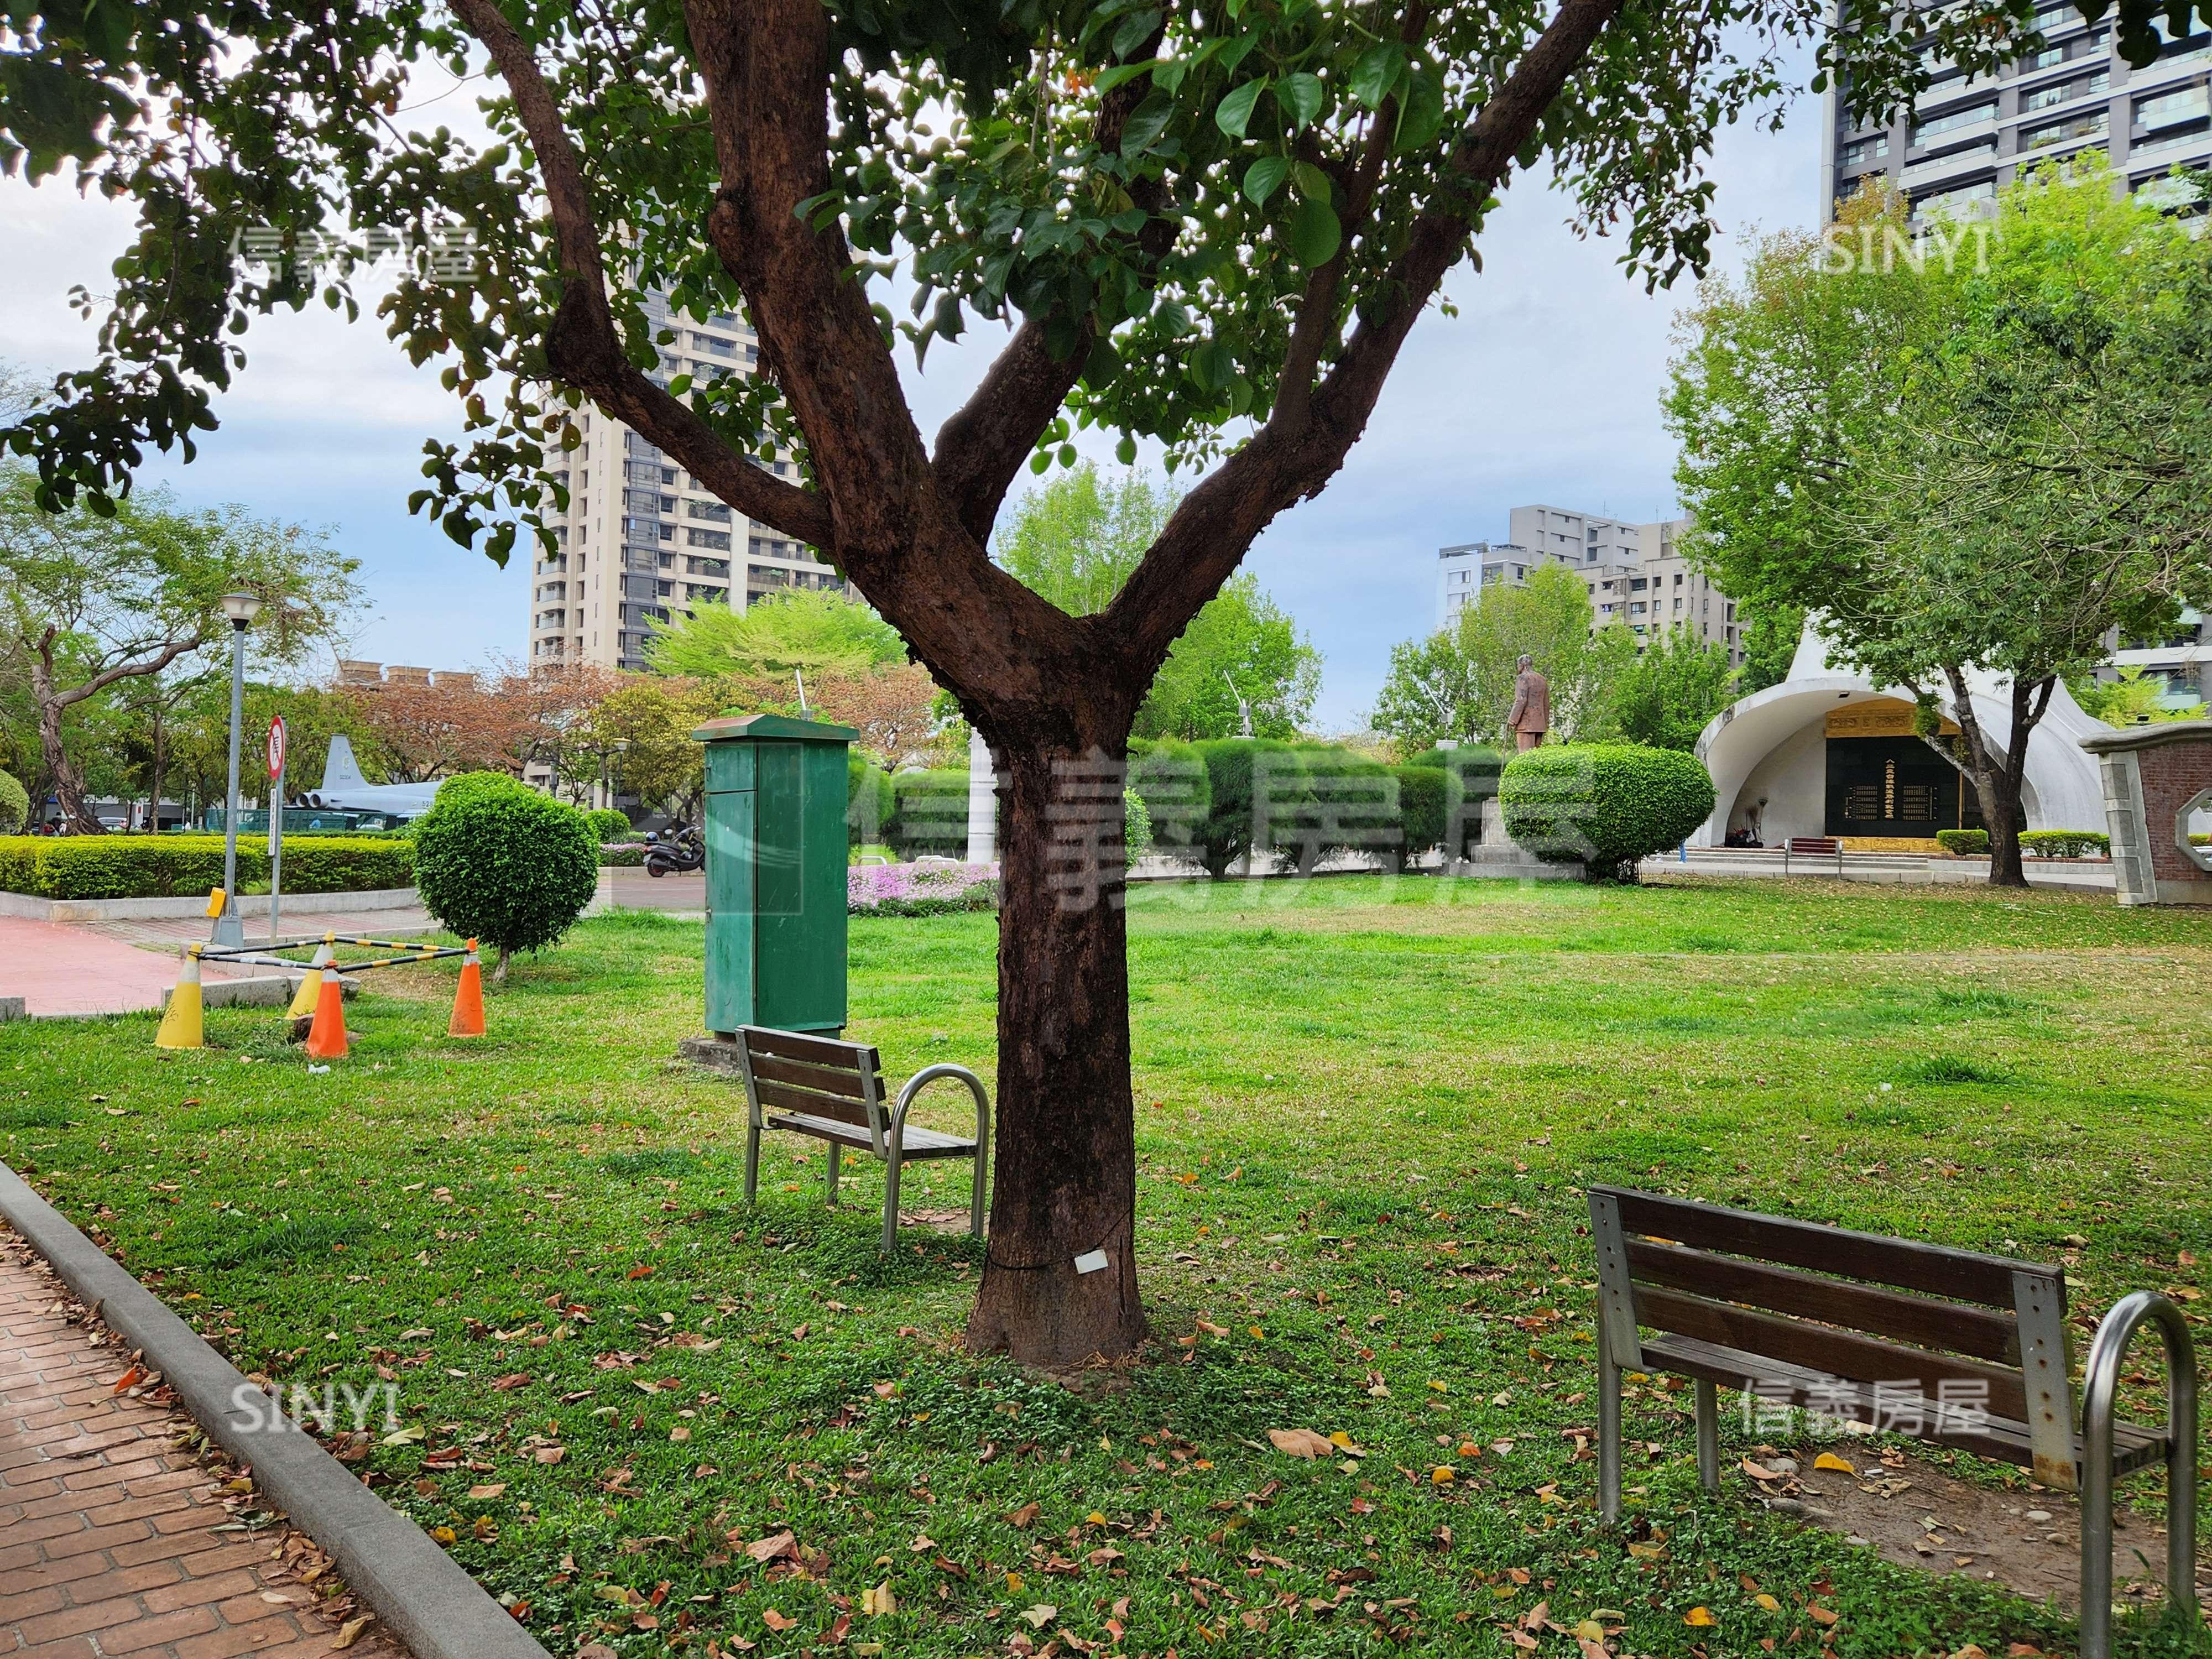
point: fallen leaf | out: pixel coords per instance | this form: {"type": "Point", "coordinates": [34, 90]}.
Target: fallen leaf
{"type": "Point", "coordinates": [879, 1602]}
{"type": "Point", "coordinates": [1830, 1461]}
{"type": "Point", "coordinates": [642, 1271]}
{"type": "Point", "coordinates": [1758, 1471]}
{"type": "Point", "coordinates": [1300, 1443]}
{"type": "Point", "coordinates": [550, 1453]}
{"type": "Point", "coordinates": [1700, 1617]}
{"type": "Point", "coordinates": [1024, 1516]}
{"type": "Point", "coordinates": [769, 1548]}
{"type": "Point", "coordinates": [1819, 1614]}
{"type": "Point", "coordinates": [1767, 1602]}
{"type": "Point", "coordinates": [1442, 1475]}
{"type": "Point", "coordinates": [135, 1374]}
{"type": "Point", "coordinates": [349, 1632]}
{"type": "Point", "coordinates": [775, 1621]}
{"type": "Point", "coordinates": [1040, 1615]}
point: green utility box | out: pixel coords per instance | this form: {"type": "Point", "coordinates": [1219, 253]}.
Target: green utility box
{"type": "Point", "coordinates": [775, 873]}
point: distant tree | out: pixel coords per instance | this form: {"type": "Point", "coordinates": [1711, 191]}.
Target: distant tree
{"type": "Point", "coordinates": [2130, 698]}
{"type": "Point", "coordinates": [1984, 460]}
{"type": "Point", "coordinates": [645, 725]}
{"type": "Point", "coordinates": [1242, 645]}
{"type": "Point", "coordinates": [87, 601]}
{"type": "Point", "coordinates": [1458, 684]}
{"type": "Point", "coordinates": [807, 631]}
{"type": "Point", "coordinates": [1077, 538]}
{"type": "Point", "coordinates": [1665, 696]}
{"type": "Point", "coordinates": [457, 722]}
{"type": "Point", "coordinates": [1769, 637]}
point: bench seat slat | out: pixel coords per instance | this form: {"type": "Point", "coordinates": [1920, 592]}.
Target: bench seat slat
{"type": "Point", "coordinates": [1933, 1268]}
{"type": "Point", "coordinates": [2001, 1438]}
{"type": "Point", "coordinates": [1951, 1326]}
{"type": "Point", "coordinates": [1836, 1352]}
{"type": "Point", "coordinates": [916, 1143]}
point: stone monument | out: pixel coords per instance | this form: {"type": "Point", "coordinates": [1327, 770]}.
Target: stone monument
{"type": "Point", "coordinates": [2158, 801]}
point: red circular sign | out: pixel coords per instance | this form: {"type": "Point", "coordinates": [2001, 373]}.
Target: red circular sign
{"type": "Point", "coordinates": [276, 746]}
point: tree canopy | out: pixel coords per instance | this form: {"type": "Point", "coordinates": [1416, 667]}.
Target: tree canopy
{"type": "Point", "coordinates": [1984, 452]}
{"type": "Point", "coordinates": [808, 630]}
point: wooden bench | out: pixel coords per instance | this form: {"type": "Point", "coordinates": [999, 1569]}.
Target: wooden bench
{"type": "Point", "coordinates": [832, 1091]}
{"type": "Point", "coordinates": [1946, 1345]}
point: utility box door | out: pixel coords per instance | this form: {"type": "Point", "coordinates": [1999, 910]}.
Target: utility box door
{"type": "Point", "coordinates": [775, 873]}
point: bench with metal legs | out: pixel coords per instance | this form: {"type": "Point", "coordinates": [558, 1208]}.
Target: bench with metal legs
{"type": "Point", "coordinates": [832, 1092]}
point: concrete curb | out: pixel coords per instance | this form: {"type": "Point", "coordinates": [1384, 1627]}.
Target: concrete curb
{"type": "Point", "coordinates": [33, 908]}
{"type": "Point", "coordinates": [423, 1598]}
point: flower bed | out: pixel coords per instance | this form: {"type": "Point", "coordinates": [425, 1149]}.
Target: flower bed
{"type": "Point", "coordinates": [929, 890]}
{"type": "Point", "coordinates": [174, 867]}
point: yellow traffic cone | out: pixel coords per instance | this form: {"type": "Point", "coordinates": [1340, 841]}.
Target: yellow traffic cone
{"type": "Point", "coordinates": [327, 1039]}
{"type": "Point", "coordinates": [468, 1020]}
{"type": "Point", "coordinates": [182, 1022]}
{"type": "Point", "coordinates": [311, 982]}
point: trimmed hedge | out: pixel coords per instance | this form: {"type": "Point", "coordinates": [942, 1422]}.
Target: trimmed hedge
{"type": "Point", "coordinates": [190, 866]}
{"type": "Point", "coordinates": [869, 801]}
{"type": "Point", "coordinates": [1440, 796]}
{"type": "Point", "coordinates": [1606, 804]}
{"type": "Point", "coordinates": [1964, 844]}
{"type": "Point", "coordinates": [608, 824]}
{"type": "Point", "coordinates": [2065, 843]}
{"type": "Point", "coordinates": [14, 805]}
{"type": "Point", "coordinates": [929, 814]}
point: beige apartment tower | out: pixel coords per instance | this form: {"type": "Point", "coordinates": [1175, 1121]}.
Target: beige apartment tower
{"type": "Point", "coordinates": [641, 540]}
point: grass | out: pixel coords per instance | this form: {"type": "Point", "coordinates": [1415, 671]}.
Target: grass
{"type": "Point", "coordinates": [1366, 1114]}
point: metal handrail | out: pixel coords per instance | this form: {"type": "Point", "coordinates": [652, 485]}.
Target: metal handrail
{"type": "Point", "coordinates": [2100, 1384]}
{"type": "Point", "coordinates": [896, 1152]}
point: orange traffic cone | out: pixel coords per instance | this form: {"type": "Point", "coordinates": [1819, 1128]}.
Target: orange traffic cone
{"type": "Point", "coordinates": [326, 1037]}
{"type": "Point", "coordinates": [468, 999]}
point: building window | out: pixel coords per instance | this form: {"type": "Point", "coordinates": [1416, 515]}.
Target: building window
{"type": "Point", "coordinates": [713, 511]}
{"type": "Point", "coordinates": [717, 539]}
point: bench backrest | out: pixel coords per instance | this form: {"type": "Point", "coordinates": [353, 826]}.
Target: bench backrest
{"type": "Point", "coordinates": [1948, 1324]}
{"type": "Point", "coordinates": [815, 1077]}
{"type": "Point", "coordinates": [1814, 844]}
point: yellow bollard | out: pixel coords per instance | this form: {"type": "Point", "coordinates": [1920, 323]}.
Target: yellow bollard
{"type": "Point", "coordinates": [182, 1022]}
{"type": "Point", "coordinates": [311, 982]}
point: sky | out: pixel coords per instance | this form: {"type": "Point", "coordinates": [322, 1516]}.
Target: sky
{"type": "Point", "coordinates": [1544, 388]}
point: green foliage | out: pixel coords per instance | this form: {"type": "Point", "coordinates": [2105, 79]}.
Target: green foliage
{"type": "Point", "coordinates": [14, 805]}
{"type": "Point", "coordinates": [1170, 777]}
{"type": "Point", "coordinates": [1665, 696]}
{"type": "Point", "coordinates": [1769, 636]}
{"type": "Point", "coordinates": [1136, 827]}
{"type": "Point", "coordinates": [1447, 813]}
{"type": "Point", "coordinates": [1457, 685]}
{"type": "Point", "coordinates": [870, 799]}
{"type": "Point", "coordinates": [607, 824]}
{"type": "Point", "coordinates": [805, 630]}
{"type": "Point", "coordinates": [1075, 538]}
{"type": "Point", "coordinates": [2128, 699]}
{"type": "Point", "coordinates": [1608, 805]}
{"type": "Point", "coordinates": [929, 814]}
{"type": "Point", "coordinates": [2065, 843]}
{"type": "Point", "coordinates": [1237, 770]}
{"type": "Point", "coordinates": [498, 862]}
{"type": "Point", "coordinates": [190, 866]}
{"type": "Point", "coordinates": [1964, 844]}
{"type": "Point", "coordinates": [1241, 645]}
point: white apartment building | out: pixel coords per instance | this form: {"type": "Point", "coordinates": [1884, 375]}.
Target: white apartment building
{"type": "Point", "coordinates": [1633, 572]}
{"type": "Point", "coordinates": [642, 541]}
{"type": "Point", "coordinates": [1964, 138]}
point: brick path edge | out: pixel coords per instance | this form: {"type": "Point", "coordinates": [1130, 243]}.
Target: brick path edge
{"type": "Point", "coordinates": [422, 1595]}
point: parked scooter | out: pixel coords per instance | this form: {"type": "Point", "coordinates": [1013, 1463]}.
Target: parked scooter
{"type": "Point", "coordinates": [685, 850]}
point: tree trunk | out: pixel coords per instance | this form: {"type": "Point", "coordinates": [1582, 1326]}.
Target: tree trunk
{"type": "Point", "coordinates": [69, 787]}
{"type": "Point", "coordinates": [153, 811]}
{"type": "Point", "coordinates": [1066, 1180]}
{"type": "Point", "coordinates": [1998, 773]}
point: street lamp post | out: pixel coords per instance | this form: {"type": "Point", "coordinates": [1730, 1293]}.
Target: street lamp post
{"type": "Point", "coordinates": [241, 609]}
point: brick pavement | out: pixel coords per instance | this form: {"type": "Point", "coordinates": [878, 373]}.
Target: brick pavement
{"type": "Point", "coordinates": [112, 1540]}
{"type": "Point", "coordinates": [61, 967]}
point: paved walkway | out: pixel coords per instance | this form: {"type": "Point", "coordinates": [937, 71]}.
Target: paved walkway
{"type": "Point", "coordinates": [108, 1537]}
{"type": "Point", "coordinates": [59, 967]}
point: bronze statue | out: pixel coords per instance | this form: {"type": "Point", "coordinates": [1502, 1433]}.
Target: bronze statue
{"type": "Point", "coordinates": [1532, 706]}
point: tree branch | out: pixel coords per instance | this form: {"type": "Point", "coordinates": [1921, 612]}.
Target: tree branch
{"type": "Point", "coordinates": [126, 670]}
{"type": "Point", "coordinates": [981, 447]}
{"type": "Point", "coordinates": [583, 346]}
{"type": "Point", "coordinates": [1295, 454]}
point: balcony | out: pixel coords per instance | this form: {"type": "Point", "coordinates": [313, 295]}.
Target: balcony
{"type": "Point", "coordinates": [1923, 173]}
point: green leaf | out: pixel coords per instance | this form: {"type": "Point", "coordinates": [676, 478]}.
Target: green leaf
{"type": "Point", "coordinates": [1421, 113]}
{"type": "Point", "coordinates": [1313, 183]}
{"type": "Point", "coordinates": [1126, 451]}
{"type": "Point", "coordinates": [1315, 235]}
{"type": "Point", "coordinates": [1236, 111]}
{"type": "Point", "coordinates": [1135, 29]}
{"type": "Point", "coordinates": [1265, 177]}
{"type": "Point", "coordinates": [1375, 73]}
{"type": "Point", "coordinates": [1107, 80]}
{"type": "Point", "coordinates": [1300, 95]}
{"type": "Point", "coordinates": [1146, 123]}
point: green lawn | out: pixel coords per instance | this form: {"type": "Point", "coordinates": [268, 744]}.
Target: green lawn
{"type": "Point", "coordinates": [1366, 1114]}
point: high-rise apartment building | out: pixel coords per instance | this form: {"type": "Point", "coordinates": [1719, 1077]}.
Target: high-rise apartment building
{"type": "Point", "coordinates": [1963, 138]}
{"type": "Point", "coordinates": [641, 540]}
{"type": "Point", "coordinates": [1634, 573]}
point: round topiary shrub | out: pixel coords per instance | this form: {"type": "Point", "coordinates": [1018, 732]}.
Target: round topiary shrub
{"type": "Point", "coordinates": [1606, 804]}
{"type": "Point", "coordinates": [607, 824]}
{"type": "Point", "coordinates": [498, 862]}
{"type": "Point", "coordinates": [1964, 844]}
{"type": "Point", "coordinates": [14, 805]}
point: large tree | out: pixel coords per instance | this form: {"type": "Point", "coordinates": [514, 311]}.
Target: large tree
{"type": "Point", "coordinates": [89, 600]}
{"type": "Point", "coordinates": [1214, 226]}
{"type": "Point", "coordinates": [1983, 454]}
